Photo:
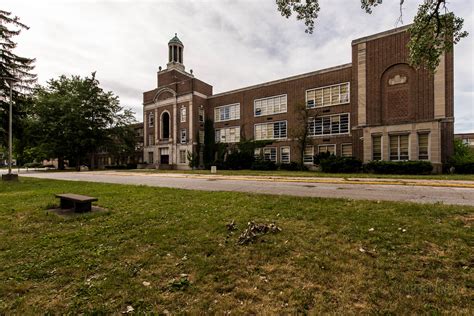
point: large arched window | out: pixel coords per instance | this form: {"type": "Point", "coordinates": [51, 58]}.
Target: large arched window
{"type": "Point", "coordinates": [165, 125]}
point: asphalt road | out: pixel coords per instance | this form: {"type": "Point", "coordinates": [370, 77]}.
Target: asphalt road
{"type": "Point", "coordinates": [364, 191]}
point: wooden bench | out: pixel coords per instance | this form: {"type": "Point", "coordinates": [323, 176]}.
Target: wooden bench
{"type": "Point", "coordinates": [80, 203]}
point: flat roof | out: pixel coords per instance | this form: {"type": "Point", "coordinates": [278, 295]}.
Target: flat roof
{"type": "Point", "coordinates": [381, 34]}
{"type": "Point", "coordinates": [269, 83]}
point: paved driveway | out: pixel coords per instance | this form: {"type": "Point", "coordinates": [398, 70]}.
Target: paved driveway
{"type": "Point", "coordinates": [365, 190]}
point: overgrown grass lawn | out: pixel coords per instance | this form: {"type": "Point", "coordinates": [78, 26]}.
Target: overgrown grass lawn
{"type": "Point", "coordinates": [160, 250]}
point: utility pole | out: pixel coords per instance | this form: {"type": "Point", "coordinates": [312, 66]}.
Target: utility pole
{"type": "Point", "coordinates": [10, 176]}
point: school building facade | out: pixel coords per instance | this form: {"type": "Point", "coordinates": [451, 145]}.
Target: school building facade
{"type": "Point", "coordinates": [376, 108]}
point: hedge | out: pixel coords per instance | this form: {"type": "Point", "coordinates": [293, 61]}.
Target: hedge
{"type": "Point", "coordinates": [333, 164]}
{"type": "Point", "coordinates": [399, 167]}
{"type": "Point", "coordinates": [464, 167]}
{"type": "Point", "coordinates": [264, 165]}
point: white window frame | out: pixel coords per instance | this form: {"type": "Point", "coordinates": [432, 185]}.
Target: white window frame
{"type": "Point", "coordinates": [281, 154]}
{"type": "Point", "coordinates": [201, 115]}
{"type": "Point", "coordinates": [418, 143]}
{"type": "Point", "coordinates": [327, 145]}
{"type": "Point", "coordinates": [183, 137]}
{"type": "Point", "coordinates": [272, 138]}
{"type": "Point", "coordinates": [218, 134]}
{"type": "Point", "coordinates": [151, 119]}
{"type": "Point", "coordinates": [185, 154]}
{"type": "Point", "coordinates": [183, 114]}
{"type": "Point", "coordinates": [268, 98]}
{"type": "Point", "coordinates": [271, 149]}
{"type": "Point", "coordinates": [330, 86]}
{"type": "Point", "coordinates": [330, 127]}
{"type": "Point", "coordinates": [352, 149]}
{"type": "Point", "coordinates": [312, 156]}
{"type": "Point", "coordinates": [381, 146]}
{"type": "Point", "coordinates": [217, 118]}
{"type": "Point", "coordinates": [398, 147]}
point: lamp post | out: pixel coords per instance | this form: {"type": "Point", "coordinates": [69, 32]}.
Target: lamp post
{"type": "Point", "coordinates": [10, 176]}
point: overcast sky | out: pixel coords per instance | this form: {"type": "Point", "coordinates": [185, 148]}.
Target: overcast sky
{"type": "Point", "coordinates": [228, 43]}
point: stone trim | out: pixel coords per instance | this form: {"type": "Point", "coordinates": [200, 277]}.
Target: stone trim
{"type": "Point", "coordinates": [440, 89]}
{"type": "Point", "coordinates": [362, 84]}
{"type": "Point", "coordinates": [412, 130]}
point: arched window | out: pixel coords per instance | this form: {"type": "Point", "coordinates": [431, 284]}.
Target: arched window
{"type": "Point", "coordinates": [165, 125]}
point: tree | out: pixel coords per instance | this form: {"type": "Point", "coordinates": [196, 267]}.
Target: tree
{"type": "Point", "coordinates": [300, 132]}
{"type": "Point", "coordinates": [16, 71]}
{"type": "Point", "coordinates": [209, 150]}
{"type": "Point", "coordinates": [434, 30]}
{"type": "Point", "coordinates": [72, 118]}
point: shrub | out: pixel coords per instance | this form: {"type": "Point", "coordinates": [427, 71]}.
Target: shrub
{"type": "Point", "coordinates": [33, 165]}
{"type": "Point", "coordinates": [464, 167]}
{"type": "Point", "coordinates": [292, 166]}
{"type": "Point", "coordinates": [263, 165]}
{"type": "Point", "coordinates": [321, 156]}
{"type": "Point", "coordinates": [399, 167]}
{"type": "Point", "coordinates": [335, 164]}
{"type": "Point", "coordinates": [238, 160]}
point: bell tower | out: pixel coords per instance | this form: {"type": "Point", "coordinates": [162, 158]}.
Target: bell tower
{"type": "Point", "coordinates": [175, 53]}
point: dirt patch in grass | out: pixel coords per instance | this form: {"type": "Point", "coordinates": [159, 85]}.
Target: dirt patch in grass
{"type": "Point", "coordinates": [467, 219]}
{"type": "Point", "coordinates": [70, 212]}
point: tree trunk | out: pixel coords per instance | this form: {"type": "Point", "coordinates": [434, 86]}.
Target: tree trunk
{"type": "Point", "coordinates": [60, 163]}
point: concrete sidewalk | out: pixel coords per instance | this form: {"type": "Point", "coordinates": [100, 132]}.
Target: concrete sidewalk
{"type": "Point", "coordinates": [412, 182]}
{"type": "Point", "coordinates": [417, 191]}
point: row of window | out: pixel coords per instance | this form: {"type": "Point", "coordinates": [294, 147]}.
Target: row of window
{"type": "Point", "coordinates": [319, 97]}
{"type": "Point", "coordinates": [228, 135]}
{"type": "Point", "coordinates": [324, 125]}
{"type": "Point", "coordinates": [265, 131]}
{"type": "Point", "coordinates": [329, 125]}
{"type": "Point", "coordinates": [399, 147]}
{"type": "Point", "coordinates": [182, 116]}
{"type": "Point", "coordinates": [309, 152]}
{"type": "Point", "coordinates": [327, 96]}
{"type": "Point", "coordinates": [270, 154]}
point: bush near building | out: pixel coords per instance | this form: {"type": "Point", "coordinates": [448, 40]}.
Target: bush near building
{"type": "Point", "coordinates": [399, 167]}
{"type": "Point", "coordinates": [334, 164]}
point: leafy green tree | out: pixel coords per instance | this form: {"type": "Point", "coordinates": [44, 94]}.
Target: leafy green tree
{"type": "Point", "coordinates": [209, 150]}
{"type": "Point", "coordinates": [15, 72]}
{"type": "Point", "coordinates": [462, 152]}
{"type": "Point", "coordinates": [73, 118]}
{"type": "Point", "coordinates": [434, 31]}
{"type": "Point", "coordinates": [301, 130]}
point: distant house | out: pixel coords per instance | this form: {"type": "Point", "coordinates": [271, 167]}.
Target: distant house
{"type": "Point", "coordinates": [376, 108]}
{"type": "Point", "coordinates": [467, 138]}
{"type": "Point", "coordinates": [105, 158]}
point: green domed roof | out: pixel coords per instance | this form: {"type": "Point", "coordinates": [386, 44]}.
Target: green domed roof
{"type": "Point", "coordinates": [175, 40]}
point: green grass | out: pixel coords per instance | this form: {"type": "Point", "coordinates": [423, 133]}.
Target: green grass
{"type": "Point", "coordinates": [282, 173]}
{"type": "Point", "coordinates": [97, 262]}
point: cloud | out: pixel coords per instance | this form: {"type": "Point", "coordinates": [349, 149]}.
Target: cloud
{"type": "Point", "coordinates": [228, 43]}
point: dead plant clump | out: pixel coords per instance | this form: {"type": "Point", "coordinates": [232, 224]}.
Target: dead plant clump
{"type": "Point", "coordinates": [253, 231]}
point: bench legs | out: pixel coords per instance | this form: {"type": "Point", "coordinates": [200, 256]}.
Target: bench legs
{"type": "Point", "coordinates": [83, 207]}
{"type": "Point", "coordinates": [67, 203]}
{"type": "Point", "coordinates": [78, 206]}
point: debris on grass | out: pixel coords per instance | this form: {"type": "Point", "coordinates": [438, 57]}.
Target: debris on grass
{"type": "Point", "coordinates": [253, 231]}
{"type": "Point", "coordinates": [369, 252]}
{"type": "Point", "coordinates": [231, 226]}
{"type": "Point", "coordinates": [179, 284]}
{"type": "Point", "coordinates": [145, 283]}
{"type": "Point", "coordinates": [371, 229]}
{"type": "Point", "coordinates": [128, 310]}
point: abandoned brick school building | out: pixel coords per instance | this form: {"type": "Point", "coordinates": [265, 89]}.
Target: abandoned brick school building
{"type": "Point", "coordinates": [375, 108]}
